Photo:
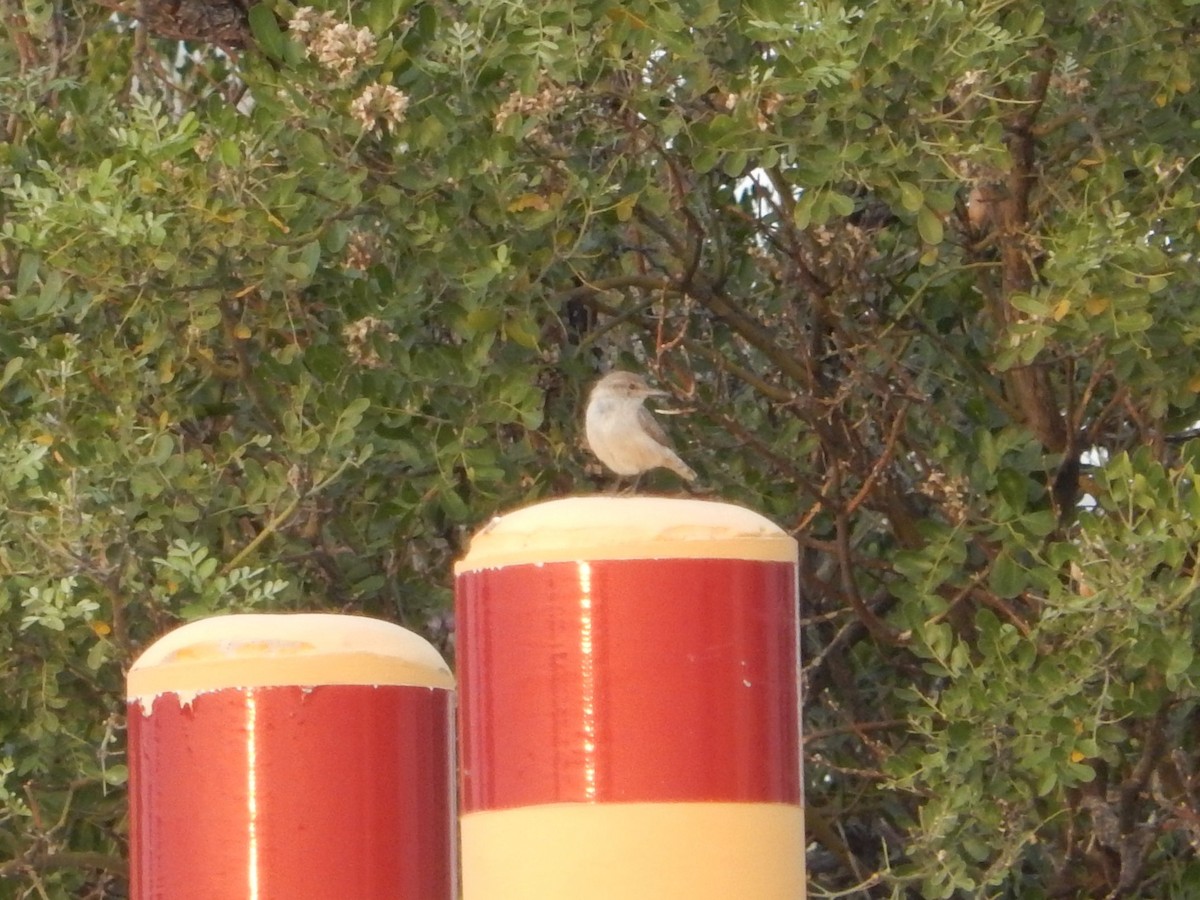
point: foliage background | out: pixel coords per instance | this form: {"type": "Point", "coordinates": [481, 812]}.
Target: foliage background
{"type": "Point", "coordinates": [288, 307]}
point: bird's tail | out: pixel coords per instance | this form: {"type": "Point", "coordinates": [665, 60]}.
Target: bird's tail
{"type": "Point", "coordinates": [682, 469]}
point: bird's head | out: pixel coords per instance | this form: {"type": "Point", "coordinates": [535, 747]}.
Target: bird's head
{"type": "Point", "coordinates": [625, 385]}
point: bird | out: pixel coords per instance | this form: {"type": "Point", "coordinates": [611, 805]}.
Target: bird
{"type": "Point", "coordinates": [623, 434]}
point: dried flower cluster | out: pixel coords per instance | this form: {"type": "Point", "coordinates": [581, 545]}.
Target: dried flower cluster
{"type": "Point", "coordinates": [842, 252]}
{"type": "Point", "coordinates": [766, 104]}
{"type": "Point", "coordinates": [338, 46]}
{"type": "Point", "coordinates": [549, 98]}
{"type": "Point", "coordinates": [204, 146]}
{"type": "Point", "coordinates": [950, 493]}
{"type": "Point", "coordinates": [345, 50]}
{"type": "Point", "coordinates": [1071, 82]}
{"type": "Point", "coordinates": [362, 250]}
{"type": "Point", "coordinates": [378, 105]}
{"type": "Point", "coordinates": [967, 85]}
{"type": "Point", "coordinates": [1167, 169]}
{"type": "Point", "coordinates": [307, 20]}
{"type": "Point", "coordinates": [358, 341]}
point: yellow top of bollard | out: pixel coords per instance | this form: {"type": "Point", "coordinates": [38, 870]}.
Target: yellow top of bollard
{"type": "Point", "coordinates": [605, 527]}
{"type": "Point", "coordinates": [303, 649]}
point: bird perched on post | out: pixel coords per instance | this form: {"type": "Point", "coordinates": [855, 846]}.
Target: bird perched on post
{"type": "Point", "coordinates": [623, 434]}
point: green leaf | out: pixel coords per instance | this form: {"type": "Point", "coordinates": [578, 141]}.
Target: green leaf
{"type": "Point", "coordinates": [311, 148]}
{"type": "Point", "coordinates": [734, 164]}
{"type": "Point", "coordinates": [11, 368]}
{"type": "Point", "coordinates": [145, 485]}
{"type": "Point", "coordinates": [1014, 488]}
{"type": "Point", "coordinates": [310, 258]}
{"type": "Point", "coordinates": [1040, 523]}
{"type": "Point", "coordinates": [265, 28]}
{"type": "Point", "coordinates": [230, 153]}
{"type": "Point", "coordinates": [381, 14]}
{"type": "Point", "coordinates": [911, 197]}
{"type": "Point", "coordinates": [164, 446]}
{"type": "Point", "coordinates": [840, 204]}
{"type": "Point", "coordinates": [1181, 657]}
{"type": "Point", "coordinates": [1038, 307]}
{"type": "Point", "coordinates": [354, 410]}
{"type": "Point", "coordinates": [186, 513]}
{"type": "Point", "coordinates": [517, 331]}
{"type": "Point", "coordinates": [1047, 781]}
{"type": "Point", "coordinates": [427, 22]}
{"type": "Point", "coordinates": [1006, 577]}
{"type": "Point", "coordinates": [98, 655]}
{"type": "Point", "coordinates": [116, 774]}
{"type": "Point", "coordinates": [706, 159]}
{"type": "Point", "coordinates": [27, 271]}
{"type": "Point", "coordinates": [929, 224]}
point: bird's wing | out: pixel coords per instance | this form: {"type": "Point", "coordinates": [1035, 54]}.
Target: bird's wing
{"type": "Point", "coordinates": [652, 428]}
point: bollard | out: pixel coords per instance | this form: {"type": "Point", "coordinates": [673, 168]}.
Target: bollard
{"type": "Point", "coordinates": [628, 704]}
{"type": "Point", "coordinates": [291, 757]}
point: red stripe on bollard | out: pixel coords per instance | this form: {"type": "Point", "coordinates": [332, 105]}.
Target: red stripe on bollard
{"type": "Point", "coordinates": [664, 680]}
{"type": "Point", "coordinates": [300, 758]}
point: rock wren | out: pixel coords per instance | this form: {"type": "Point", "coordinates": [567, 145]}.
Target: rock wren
{"type": "Point", "coordinates": [623, 434]}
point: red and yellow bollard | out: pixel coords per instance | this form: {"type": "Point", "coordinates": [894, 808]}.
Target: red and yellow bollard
{"type": "Point", "coordinates": [291, 757]}
{"type": "Point", "coordinates": [629, 716]}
